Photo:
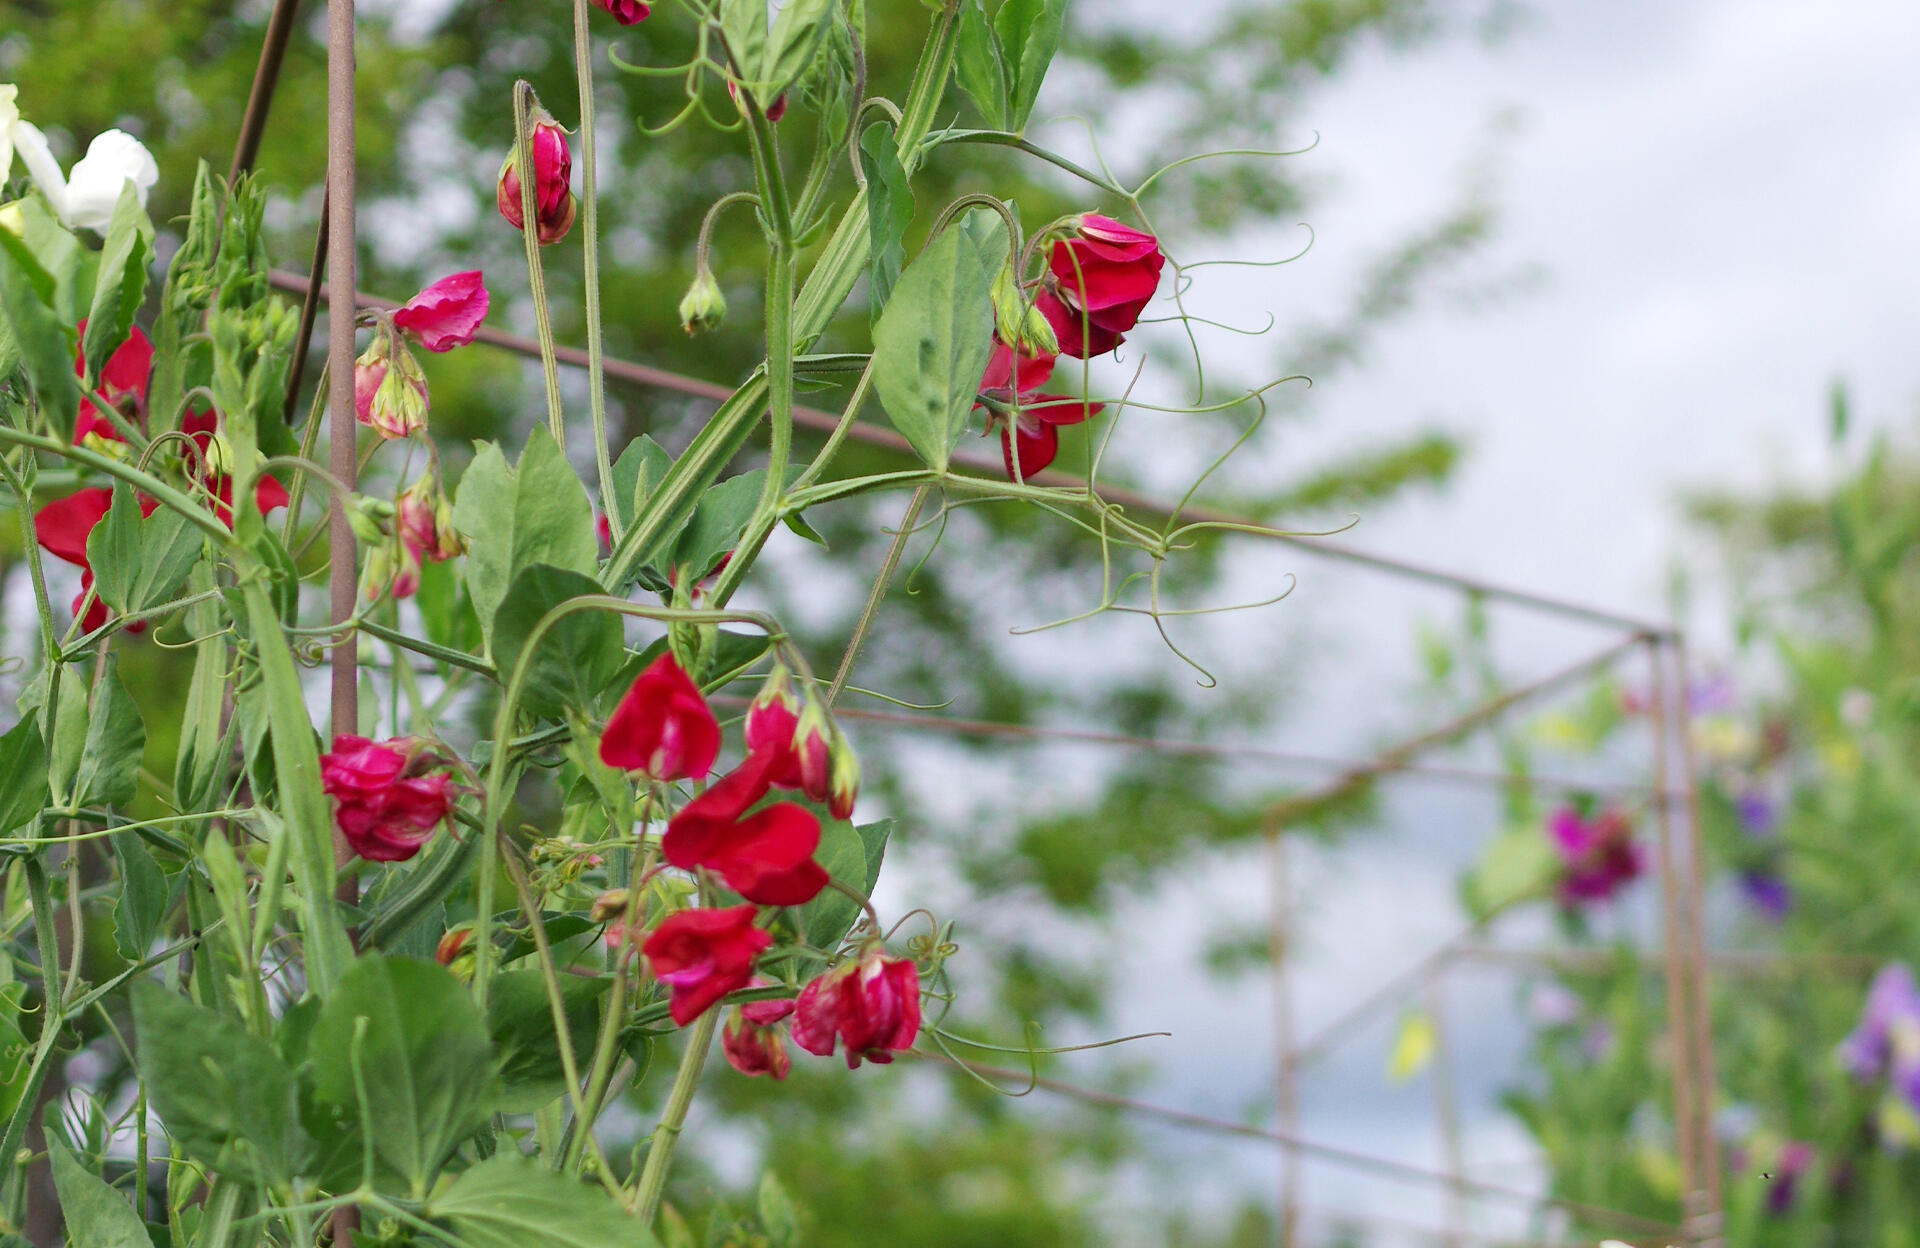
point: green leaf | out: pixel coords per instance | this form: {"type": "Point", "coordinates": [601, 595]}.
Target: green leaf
{"type": "Point", "coordinates": [139, 563]}
{"type": "Point", "coordinates": [1516, 865]}
{"type": "Point", "coordinates": [227, 1097]}
{"type": "Point", "coordinates": [95, 1214]}
{"type": "Point", "coordinates": [1029, 33]}
{"type": "Point", "coordinates": [120, 286]}
{"type": "Point", "coordinates": [977, 67]}
{"type": "Point", "coordinates": [143, 896]}
{"type": "Point", "coordinates": [514, 518]}
{"type": "Point", "coordinates": [776, 1212]}
{"type": "Point", "coordinates": [639, 470]}
{"type": "Point", "coordinates": [109, 773]}
{"type": "Point", "coordinates": [852, 857]}
{"type": "Point", "coordinates": [744, 25]}
{"type": "Point", "coordinates": [889, 212]}
{"type": "Point", "coordinates": [577, 657]}
{"type": "Point", "coordinates": [422, 1055]}
{"type": "Point", "coordinates": [510, 1202]}
{"type": "Point", "coordinates": [43, 338]}
{"type": "Point", "coordinates": [60, 253]}
{"type": "Point", "coordinates": [718, 523]}
{"type": "Point", "coordinates": [23, 775]}
{"type": "Point", "coordinates": [520, 1019]}
{"type": "Point", "coordinates": [793, 45]}
{"type": "Point", "coordinates": [16, 1054]}
{"type": "Point", "coordinates": [931, 345]}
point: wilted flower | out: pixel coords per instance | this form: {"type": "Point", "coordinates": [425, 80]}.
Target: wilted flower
{"type": "Point", "coordinates": [702, 955]}
{"type": "Point", "coordinates": [386, 806]}
{"type": "Point", "coordinates": [553, 202]}
{"type": "Point", "coordinates": [1598, 854]}
{"type": "Point", "coordinates": [662, 727]}
{"type": "Point", "coordinates": [872, 1004]}
{"type": "Point", "coordinates": [86, 198]}
{"type": "Point", "coordinates": [753, 1040]}
{"type": "Point", "coordinates": [1029, 421]}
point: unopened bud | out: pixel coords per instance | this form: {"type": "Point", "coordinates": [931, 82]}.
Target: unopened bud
{"type": "Point", "coordinates": [370, 519]}
{"type": "Point", "coordinates": [452, 945]}
{"type": "Point", "coordinates": [389, 388]}
{"type": "Point", "coordinates": [1020, 324]}
{"type": "Point", "coordinates": [553, 202]}
{"type": "Point", "coordinates": [703, 308]}
{"type": "Point", "coordinates": [845, 784]}
{"type": "Point", "coordinates": [610, 905]}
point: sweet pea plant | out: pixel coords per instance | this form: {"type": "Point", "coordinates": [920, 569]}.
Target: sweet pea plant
{"type": "Point", "coordinates": [388, 980]}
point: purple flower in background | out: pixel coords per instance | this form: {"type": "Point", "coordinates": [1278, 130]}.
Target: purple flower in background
{"type": "Point", "coordinates": [1771, 895]}
{"type": "Point", "coordinates": [1887, 1041]}
{"type": "Point", "coordinates": [1757, 813]}
{"type": "Point", "coordinates": [1597, 852]}
{"type": "Point", "coordinates": [1794, 1159]}
{"type": "Point", "coordinates": [1710, 695]}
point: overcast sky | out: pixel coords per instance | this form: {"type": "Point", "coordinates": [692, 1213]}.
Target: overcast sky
{"type": "Point", "coordinates": [1715, 200]}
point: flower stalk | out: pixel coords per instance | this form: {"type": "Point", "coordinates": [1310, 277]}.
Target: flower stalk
{"type": "Point", "coordinates": [610, 502]}
{"type": "Point", "coordinates": [523, 104]}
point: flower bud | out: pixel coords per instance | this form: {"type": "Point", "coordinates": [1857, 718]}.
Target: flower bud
{"type": "Point", "coordinates": [774, 712]}
{"type": "Point", "coordinates": [370, 519]}
{"type": "Point", "coordinates": [426, 521]}
{"type": "Point", "coordinates": [844, 787]}
{"type": "Point", "coordinates": [553, 201]}
{"type": "Point", "coordinates": [610, 905]}
{"type": "Point", "coordinates": [703, 307]}
{"type": "Point", "coordinates": [813, 754]}
{"type": "Point", "coordinates": [389, 388]}
{"type": "Point", "coordinates": [1021, 325]}
{"type": "Point", "coordinates": [452, 945]}
{"type": "Point", "coordinates": [775, 110]}
{"type": "Point", "coordinates": [626, 12]}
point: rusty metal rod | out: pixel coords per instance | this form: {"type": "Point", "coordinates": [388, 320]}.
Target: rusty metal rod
{"type": "Point", "coordinates": [342, 425]}
{"type": "Point", "coordinates": [874, 435]}
{"type": "Point", "coordinates": [266, 78]}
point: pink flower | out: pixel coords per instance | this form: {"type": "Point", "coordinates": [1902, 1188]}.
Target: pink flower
{"type": "Point", "coordinates": [446, 314]}
{"type": "Point", "coordinates": [389, 388]}
{"type": "Point", "coordinates": [753, 1040]}
{"type": "Point", "coordinates": [386, 809]}
{"type": "Point", "coordinates": [872, 1004]}
{"type": "Point", "coordinates": [702, 955]}
{"type": "Point", "coordinates": [806, 751]}
{"type": "Point", "coordinates": [426, 521]}
{"type": "Point", "coordinates": [626, 12]}
{"type": "Point", "coordinates": [662, 727]}
{"type": "Point", "coordinates": [1030, 438]}
{"type": "Point", "coordinates": [766, 857]}
{"type": "Point", "coordinates": [553, 202]}
{"type": "Point", "coordinates": [1099, 281]}
{"type": "Point", "coordinates": [1598, 854]}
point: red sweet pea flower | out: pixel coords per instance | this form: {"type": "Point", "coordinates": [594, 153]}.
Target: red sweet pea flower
{"type": "Point", "coordinates": [753, 1041]}
{"type": "Point", "coordinates": [766, 857]}
{"type": "Point", "coordinates": [62, 527]}
{"type": "Point", "coordinates": [1598, 854]}
{"type": "Point", "coordinates": [446, 314]}
{"type": "Point", "coordinates": [662, 727]}
{"type": "Point", "coordinates": [626, 12]}
{"type": "Point", "coordinates": [268, 493]}
{"type": "Point", "coordinates": [872, 1004]}
{"type": "Point", "coordinates": [553, 202]}
{"type": "Point", "coordinates": [123, 381]}
{"type": "Point", "coordinates": [702, 955]}
{"type": "Point", "coordinates": [1099, 281]}
{"type": "Point", "coordinates": [1030, 440]}
{"type": "Point", "coordinates": [386, 809]}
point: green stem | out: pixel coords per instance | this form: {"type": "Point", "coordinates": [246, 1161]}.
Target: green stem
{"type": "Point", "coordinates": [49, 638]}
{"type": "Point", "coordinates": [196, 515]}
{"type": "Point", "coordinates": [881, 583]}
{"type": "Point", "coordinates": [653, 1178]}
{"type": "Point", "coordinates": [309, 439]}
{"type": "Point", "coordinates": [51, 1019]}
{"type": "Point", "coordinates": [774, 207]}
{"type": "Point", "coordinates": [590, 237]}
{"type": "Point", "coordinates": [523, 105]}
{"type": "Point", "coordinates": [855, 402]}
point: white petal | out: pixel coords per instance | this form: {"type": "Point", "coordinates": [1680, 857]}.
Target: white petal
{"type": "Point", "coordinates": [9, 114]}
{"type": "Point", "coordinates": [113, 159]}
{"type": "Point", "coordinates": [44, 169]}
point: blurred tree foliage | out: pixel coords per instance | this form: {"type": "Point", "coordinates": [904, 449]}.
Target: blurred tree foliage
{"type": "Point", "coordinates": [434, 122]}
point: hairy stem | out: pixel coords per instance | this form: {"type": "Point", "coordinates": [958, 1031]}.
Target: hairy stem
{"type": "Point", "coordinates": [590, 237]}
{"type": "Point", "coordinates": [653, 1178]}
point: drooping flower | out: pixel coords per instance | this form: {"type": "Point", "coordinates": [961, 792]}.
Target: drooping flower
{"type": "Point", "coordinates": [663, 726]}
{"type": "Point", "coordinates": [1598, 854]}
{"type": "Point", "coordinates": [1029, 421]}
{"type": "Point", "coordinates": [426, 521]}
{"type": "Point", "coordinates": [702, 955]}
{"type": "Point", "coordinates": [387, 806]}
{"type": "Point", "coordinates": [85, 198]}
{"type": "Point", "coordinates": [626, 12]}
{"type": "Point", "coordinates": [446, 314]}
{"type": "Point", "coordinates": [766, 857]}
{"type": "Point", "coordinates": [753, 1040]}
{"type": "Point", "coordinates": [553, 202]}
{"type": "Point", "coordinates": [703, 308]}
{"type": "Point", "coordinates": [871, 1004]}
{"type": "Point", "coordinates": [389, 388]}
{"type": "Point", "coordinates": [1099, 280]}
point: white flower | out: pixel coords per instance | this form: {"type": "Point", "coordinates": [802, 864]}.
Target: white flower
{"type": "Point", "coordinates": [9, 115]}
{"type": "Point", "coordinates": [86, 200]}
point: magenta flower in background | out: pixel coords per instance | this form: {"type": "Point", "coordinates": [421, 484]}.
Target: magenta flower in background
{"type": "Point", "coordinates": [626, 12]}
{"type": "Point", "coordinates": [1598, 854]}
{"type": "Point", "coordinates": [384, 807]}
{"type": "Point", "coordinates": [446, 314]}
{"type": "Point", "coordinates": [872, 1004]}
